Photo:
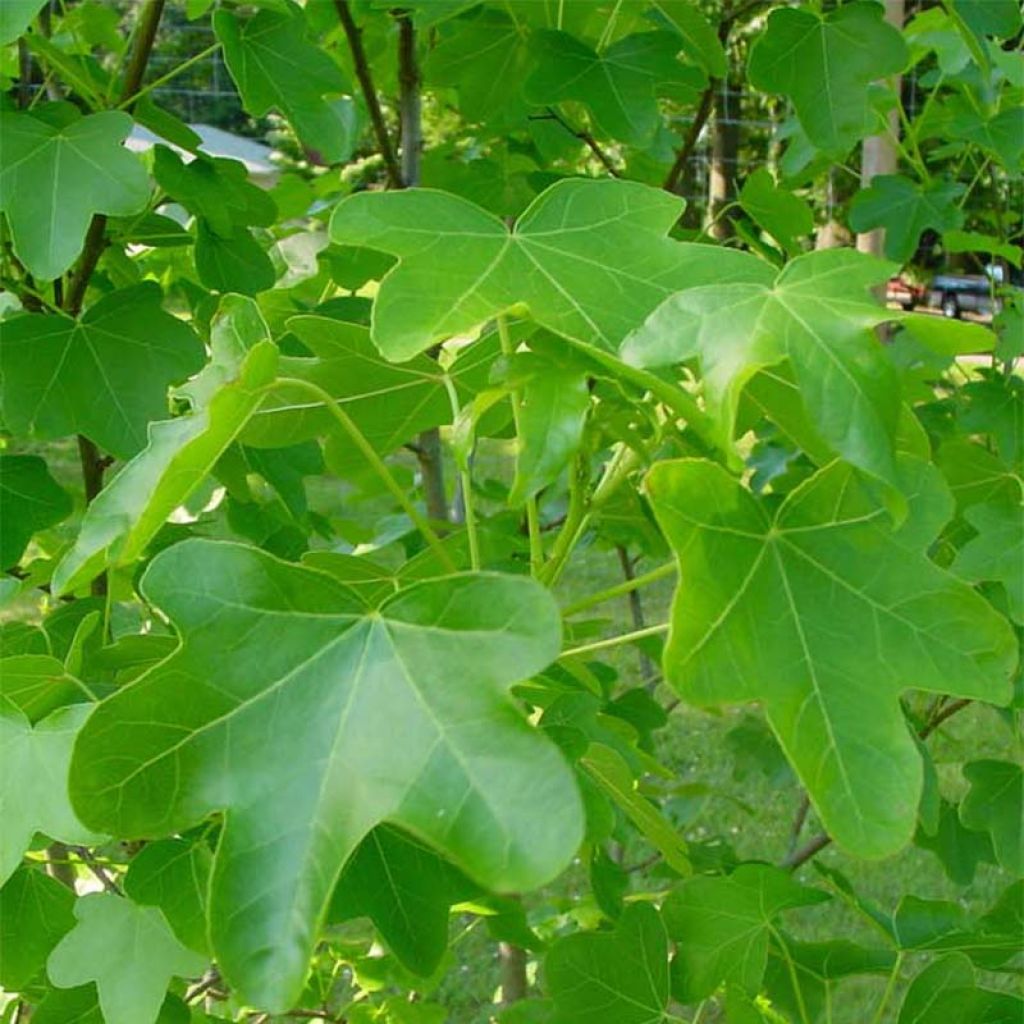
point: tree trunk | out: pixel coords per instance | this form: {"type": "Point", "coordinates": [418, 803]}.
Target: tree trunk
{"type": "Point", "coordinates": [879, 155]}
{"type": "Point", "coordinates": [514, 984]}
{"type": "Point", "coordinates": [725, 144]}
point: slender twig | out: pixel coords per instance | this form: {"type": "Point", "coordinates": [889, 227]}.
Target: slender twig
{"type": "Point", "coordinates": [354, 34]}
{"type": "Point", "coordinates": [700, 118]}
{"type": "Point", "coordinates": [586, 138]}
{"type": "Point", "coordinates": [177, 70]}
{"type": "Point", "coordinates": [377, 464]}
{"type": "Point", "coordinates": [628, 586]}
{"type": "Point", "coordinates": [85, 855]}
{"type": "Point", "coordinates": [636, 610]}
{"type": "Point", "coordinates": [818, 843]}
{"type": "Point", "coordinates": [616, 641]}
{"type": "Point", "coordinates": [798, 822]}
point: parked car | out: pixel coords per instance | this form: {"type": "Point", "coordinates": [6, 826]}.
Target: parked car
{"type": "Point", "coordinates": [905, 293]}
{"type": "Point", "coordinates": [975, 293]}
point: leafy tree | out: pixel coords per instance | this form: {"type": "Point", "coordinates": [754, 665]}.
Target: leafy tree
{"type": "Point", "coordinates": [339, 679]}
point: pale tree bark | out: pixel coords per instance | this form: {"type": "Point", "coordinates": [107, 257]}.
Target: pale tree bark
{"type": "Point", "coordinates": [725, 145]}
{"type": "Point", "coordinates": [879, 153]}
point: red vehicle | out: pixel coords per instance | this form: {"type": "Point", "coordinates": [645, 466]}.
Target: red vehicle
{"type": "Point", "coordinates": [904, 293]}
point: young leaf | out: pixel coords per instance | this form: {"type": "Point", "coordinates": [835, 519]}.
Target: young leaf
{"type": "Point", "coordinates": [407, 890]}
{"type": "Point", "coordinates": [34, 768]}
{"type": "Point", "coordinates": [30, 501]}
{"type": "Point", "coordinates": [105, 375]}
{"type": "Point", "coordinates": [818, 315]}
{"type": "Point", "coordinates": [130, 954]}
{"type": "Point", "coordinates": [995, 804]}
{"type": "Point", "coordinates": [579, 244]}
{"type": "Point", "coordinates": [618, 86]}
{"type": "Point", "coordinates": [785, 216]}
{"type": "Point", "coordinates": [997, 553]}
{"type": "Point", "coordinates": [721, 927]}
{"type": "Point", "coordinates": [824, 64]}
{"type": "Point", "coordinates": [295, 690]}
{"type": "Point", "coordinates": [57, 173]}
{"type": "Point", "coordinates": [36, 911]}
{"type": "Point", "coordinates": [128, 512]}
{"type": "Point", "coordinates": [754, 619]}
{"type": "Point", "coordinates": [906, 209]}
{"type": "Point", "coordinates": [275, 65]}
{"type": "Point", "coordinates": [618, 977]}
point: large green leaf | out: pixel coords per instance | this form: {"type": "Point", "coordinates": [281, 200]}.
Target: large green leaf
{"type": "Point", "coordinates": [56, 173]}
{"type": "Point", "coordinates": [281, 708]}
{"type": "Point", "coordinates": [618, 977]}
{"type": "Point", "coordinates": [128, 951]}
{"type": "Point", "coordinates": [30, 500]}
{"type": "Point", "coordinates": [34, 770]}
{"type": "Point", "coordinates": [619, 86]}
{"type": "Point", "coordinates": [824, 64]}
{"type": "Point", "coordinates": [818, 315]}
{"type": "Point", "coordinates": [275, 65]}
{"type": "Point", "coordinates": [721, 927]}
{"type": "Point", "coordinates": [36, 911]}
{"type": "Point", "coordinates": [589, 259]}
{"type": "Point", "coordinates": [826, 613]}
{"type": "Point", "coordinates": [906, 209]}
{"type": "Point", "coordinates": [105, 375]}
{"type": "Point", "coordinates": [128, 512]}
{"type": "Point", "coordinates": [995, 804]}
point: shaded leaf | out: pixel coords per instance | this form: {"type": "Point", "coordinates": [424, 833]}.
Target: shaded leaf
{"type": "Point", "coordinates": [105, 375]}
{"type": "Point", "coordinates": [997, 553]}
{"type": "Point", "coordinates": [785, 216]}
{"type": "Point", "coordinates": [55, 176]}
{"type": "Point", "coordinates": [30, 501]}
{"type": "Point", "coordinates": [995, 804]}
{"type": "Point", "coordinates": [36, 911]}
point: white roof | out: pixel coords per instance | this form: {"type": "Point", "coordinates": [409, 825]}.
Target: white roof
{"type": "Point", "coordinates": [216, 142]}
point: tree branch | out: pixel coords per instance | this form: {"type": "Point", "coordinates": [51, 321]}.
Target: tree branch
{"type": "Point", "coordinates": [354, 34]}
{"type": "Point", "coordinates": [587, 139]}
{"type": "Point", "coordinates": [700, 119]}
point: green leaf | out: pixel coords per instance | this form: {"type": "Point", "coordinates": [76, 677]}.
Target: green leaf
{"type": "Point", "coordinates": [754, 619]}
{"type": "Point", "coordinates": [906, 210]}
{"type": "Point", "coordinates": [698, 38]}
{"type": "Point", "coordinates": [818, 316]}
{"type": "Point", "coordinates": [35, 684]}
{"type": "Point", "coordinates": [173, 875]}
{"type": "Point", "coordinates": [276, 66]}
{"type": "Point", "coordinates": [552, 415]}
{"type": "Point", "coordinates": [945, 990]}
{"type": "Point", "coordinates": [16, 16]}
{"type": "Point", "coordinates": [56, 176]}
{"type": "Point", "coordinates": [997, 553]}
{"type": "Point", "coordinates": [485, 59]}
{"type": "Point", "coordinates": [69, 1006]}
{"type": "Point", "coordinates": [824, 64]}
{"type": "Point", "coordinates": [618, 86]}
{"type": "Point", "coordinates": [36, 911]}
{"type": "Point", "coordinates": [389, 403]}
{"type": "Point", "coordinates": [407, 890]}
{"type": "Point", "coordinates": [128, 512]}
{"type": "Point", "coordinates": [939, 925]}
{"type": "Point", "coordinates": [721, 927]}
{"type": "Point", "coordinates": [995, 804]}
{"type": "Point", "coordinates": [234, 264]}
{"type": "Point", "coordinates": [287, 645]}
{"type": "Point", "coordinates": [577, 244]}
{"type": "Point", "coordinates": [34, 768]}
{"type": "Point", "coordinates": [618, 977]}
{"type": "Point", "coordinates": [959, 850]}
{"type": "Point", "coordinates": [974, 241]}
{"type": "Point", "coordinates": [130, 954]}
{"type": "Point", "coordinates": [30, 501]}
{"type": "Point", "coordinates": [105, 375]}
{"type": "Point", "coordinates": [1001, 134]}
{"type": "Point", "coordinates": [785, 216]}
{"type": "Point", "coordinates": [611, 773]}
